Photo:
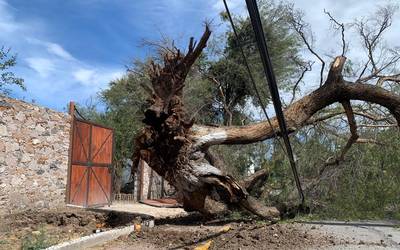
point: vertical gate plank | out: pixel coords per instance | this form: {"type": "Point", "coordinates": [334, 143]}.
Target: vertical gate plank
{"type": "Point", "coordinates": [99, 186]}
{"type": "Point", "coordinates": [80, 147]}
{"type": "Point", "coordinates": [101, 145]}
{"type": "Point", "coordinates": [78, 190]}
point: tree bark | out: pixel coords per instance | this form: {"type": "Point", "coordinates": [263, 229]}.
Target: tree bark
{"type": "Point", "coordinates": [178, 150]}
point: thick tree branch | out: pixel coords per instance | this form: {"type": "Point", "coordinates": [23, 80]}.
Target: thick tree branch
{"type": "Point", "coordinates": [255, 180]}
{"type": "Point", "coordinates": [297, 115]}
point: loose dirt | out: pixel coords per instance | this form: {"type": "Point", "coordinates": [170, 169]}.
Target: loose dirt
{"type": "Point", "coordinates": [42, 229]}
{"type": "Point", "coordinates": [190, 232]}
{"type": "Point", "coordinates": [239, 236]}
{"type": "Point", "coordinates": [49, 228]}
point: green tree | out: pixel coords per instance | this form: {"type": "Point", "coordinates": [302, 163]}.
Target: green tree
{"type": "Point", "coordinates": [229, 72]}
{"type": "Point", "coordinates": [7, 77]}
{"type": "Point", "coordinates": [233, 90]}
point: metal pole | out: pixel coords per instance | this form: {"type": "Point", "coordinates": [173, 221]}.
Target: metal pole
{"type": "Point", "coordinates": [266, 61]}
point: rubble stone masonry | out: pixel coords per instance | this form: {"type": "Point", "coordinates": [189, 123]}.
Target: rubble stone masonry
{"type": "Point", "coordinates": [34, 144]}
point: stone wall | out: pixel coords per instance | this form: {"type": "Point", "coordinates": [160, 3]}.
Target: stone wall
{"type": "Point", "coordinates": [156, 183]}
{"type": "Point", "coordinates": [34, 144]}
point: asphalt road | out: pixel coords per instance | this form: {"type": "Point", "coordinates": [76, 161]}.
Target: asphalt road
{"type": "Point", "coordinates": [360, 234]}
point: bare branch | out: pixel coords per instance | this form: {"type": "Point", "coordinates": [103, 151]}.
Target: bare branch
{"type": "Point", "coordinates": [305, 68]}
{"type": "Point", "coordinates": [224, 103]}
{"type": "Point", "coordinates": [368, 141]}
{"type": "Point", "coordinates": [392, 78]}
{"type": "Point", "coordinates": [353, 130]}
{"type": "Point", "coordinates": [337, 26]}
{"type": "Point", "coordinates": [371, 32]}
{"type": "Point", "coordinates": [299, 26]}
{"type": "Point", "coordinates": [364, 69]}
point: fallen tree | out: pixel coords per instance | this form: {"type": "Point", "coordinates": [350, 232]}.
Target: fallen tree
{"type": "Point", "coordinates": [177, 148]}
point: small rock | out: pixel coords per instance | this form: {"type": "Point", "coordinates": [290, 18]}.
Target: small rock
{"type": "Point", "coordinates": [53, 166]}
{"type": "Point", "coordinates": [35, 141]}
{"type": "Point", "coordinates": [3, 130]}
{"type": "Point", "coordinates": [361, 242]}
{"type": "Point", "coordinates": [83, 222]}
{"type": "Point", "coordinates": [46, 133]}
{"type": "Point", "coordinates": [20, 116]}
{"type": "Point", "coordinates": [39, 128]}
{"type": "Point", "coordinates": [313, 227]}
{"type": "Point", "coordinates": [25, 158]}
{"type": "Point", "coordinates": [275, 235]}
{"type": "Point", "coordinates": [42, 160]}
{"type": "Point", "coordinates": [40, 172]}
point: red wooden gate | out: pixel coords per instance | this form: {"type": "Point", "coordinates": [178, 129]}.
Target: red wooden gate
{"type": "Point", "coordinates": [90, 175]}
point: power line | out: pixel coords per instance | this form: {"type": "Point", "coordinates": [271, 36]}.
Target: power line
{"type": "Point", "coordinates": [259, 33]}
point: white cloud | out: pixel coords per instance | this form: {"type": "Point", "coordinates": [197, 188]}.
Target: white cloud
{"type": "Point", "coordinates": [236, 7]}
{"type": "Point", "coordinates": [43, 66]}
{"type": "Point", "coordinates": [53, 49]}
{"type": "Point", "coordinates": [233, 5]}
{"type": "Point", "coordinates": [57, 50]}
{"type": "Point", "coordinates": [7, 22]}
{"type": "Point", "coordinates": [53, 76]}
{"type": "Point", "coordinates": [95, 77]}
{"type": "Point", "coordinates": [85, 76]}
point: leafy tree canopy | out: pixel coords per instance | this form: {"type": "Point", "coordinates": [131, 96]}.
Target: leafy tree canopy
{"type": "Point", "coordinates": [7, 77]}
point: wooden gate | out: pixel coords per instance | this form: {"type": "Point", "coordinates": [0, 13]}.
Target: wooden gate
{"type": "Point", "coordinates": [90, 173]}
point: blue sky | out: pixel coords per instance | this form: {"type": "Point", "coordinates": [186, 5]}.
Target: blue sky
{"type": "Point", "coordinates": [70, 49]}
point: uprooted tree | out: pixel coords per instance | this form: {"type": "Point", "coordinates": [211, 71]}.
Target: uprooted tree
{"type": "Point", "coordinates": [178, 149]}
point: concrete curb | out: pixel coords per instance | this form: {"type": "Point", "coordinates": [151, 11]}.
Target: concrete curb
{"type": "Point", "coordinates": [93, 239]}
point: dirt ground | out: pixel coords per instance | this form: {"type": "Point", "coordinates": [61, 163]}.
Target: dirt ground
{"type": "Point", "coordinates": [42, 229]}
{"type": "Point", "coordinates": [258, 235]}
{"type": "Point", "coordinates": [239, 236]}
{"type": "Point", "coordinates": [49, 228]}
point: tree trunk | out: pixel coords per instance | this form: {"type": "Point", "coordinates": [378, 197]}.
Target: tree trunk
{"type": "Point", "coordinates": [178, 150]}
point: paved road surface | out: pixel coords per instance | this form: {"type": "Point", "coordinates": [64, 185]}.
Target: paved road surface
{"type": "Point", "coordinates": [359, 235]}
